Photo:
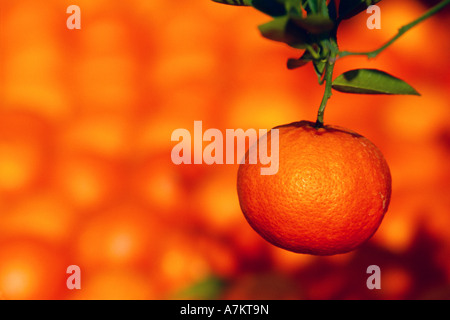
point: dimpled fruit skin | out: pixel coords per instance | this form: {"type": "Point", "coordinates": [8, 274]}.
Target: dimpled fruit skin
{"type": "Point", "coordinates": [329, 195]}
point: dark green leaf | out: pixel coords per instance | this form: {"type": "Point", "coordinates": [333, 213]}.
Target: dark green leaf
{"type": "Point", "coordinates": [235, 2]}
{"type": "Point", "coordinates": [293, 7]}
{"type": "Point", "coordinates": [208, 288]}
{"type": "Point", "coordinates": [304, 4]}
{"type": "Point", "coordinates": [275, 30]}
{"type": "Point", "coordinates": [319, 67]}
{"type": "Point", "coordinates": [296, 63]}
{"type": "Point", "coordinates": [350, 8]}
{"type": "Point", "coordinates": [283, 30]}
{"type": "Point", "coordinates": [312, 6]}
{"type": "Point", "coordinates": [323, 9]}
{"type": "Point", "coordinates": [332, 11]}
{"type": "Point", "coordinates": [302, 61]}
{"type": "Point", "coordinates": [314, 23]}
{"type": "Point", "coordinates": [371, 81]}
{"type": "Point", "coordinates": [274, 8]}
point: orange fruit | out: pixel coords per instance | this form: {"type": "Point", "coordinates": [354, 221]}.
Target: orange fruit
{"type": "Point", "coordinates": [330, 193]}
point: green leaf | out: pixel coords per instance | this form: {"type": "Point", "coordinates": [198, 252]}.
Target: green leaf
{"type": "Point", "coordinates": [371, 81]}
{"type": "Point", "coordinates": [350, 8]}
{"type": "Point", "coordinates": [332, 10]}
{"type": "Point", "coordinates": [302, 61]}
{"type": "Point", "coordinates": [274, 8]}
{"type": "Point", "coordinates": [314, 23]}
{"type": "Point", "coordinates": [312, 6]}
{"type": "Point", "coordinates": [304, 4]}
{"type": "Point", "coordinates": [283, 30]}
{"type": "Point", "coordinates": [275, 30]}
{"type": "Point", "coordinates": [209, 288]}
{"type": "Point", "coordinates": [323, 9]}
{"type": "Point", "coordinates": [319, 67]}
{"type": "Point", "coordinates": [235, 2]}
{"type": "Point", "coordinates": [293, 7]}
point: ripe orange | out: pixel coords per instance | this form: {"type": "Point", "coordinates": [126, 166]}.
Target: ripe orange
{"type": "Point", "coordinates": [329, 195]}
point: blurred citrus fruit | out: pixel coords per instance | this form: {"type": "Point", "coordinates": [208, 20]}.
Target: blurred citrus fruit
{"type": "Point", "coordinates": [121, 236]}
{"type": "Point", "coordinates": [115, 284]}
{"type": "Point", "coordinates": [30, 269]}
{"type": "Point", "coordinates": [40, 214]}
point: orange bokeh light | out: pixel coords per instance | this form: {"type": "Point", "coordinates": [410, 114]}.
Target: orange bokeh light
{"type": "Point", "coordinates": [86, 176]}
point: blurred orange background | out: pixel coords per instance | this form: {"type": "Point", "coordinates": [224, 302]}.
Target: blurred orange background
{"type": "Point", "coordinates": [86, 176]}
